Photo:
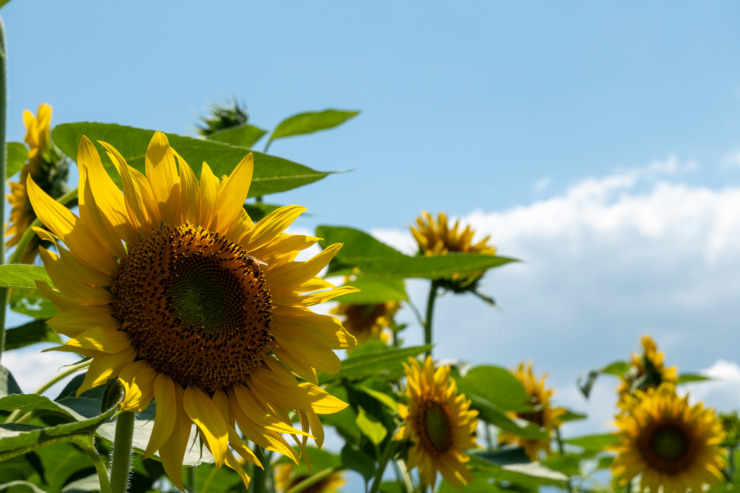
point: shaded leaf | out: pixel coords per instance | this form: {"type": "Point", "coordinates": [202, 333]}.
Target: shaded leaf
{"type": "Point", "coordinates": [531, 473]}
{"type": "Point", "coordinates": [309, 122]}
{"type": "Point", "coordinates": [8, 385]}
{"type": "Point", "coordinates": [594, 442]}
{"type": "Point", "coordinates": [383, 397]}
{"type": "Point", "coordinates": [489, 413]}
{"type": "Point", "coordinates": [258, 211]}
{"type": "Point", "coordinates": [16, 157]}
{"type": "Point", "coordinates": [28, 302]}
{"type": "Point", "coordinates": [374, 291]}
{"type": "Point", "coordinates": [271, 174]}
{"type": "Point", "coordinates": [691, 377]}
{"type": "Point", "coordinates": [241, 136]}
{"type": "Point", "coordinates": [22, 276]}
{"type": "Point", "coordinates": [30, 333]}
{"type": "Point", "coordinates": [38, 403]}
{"type": "Point", "coordinates": [387, 363]}
{"type": "Point", "coordinates": [371, 427]}
{"type": "Point", "coordinates": [358, 461]}
{"type": "Point", "coordinates": [21, 484]}
{"type": "Point", "coordinates": [496, 385]}
{"type": "Point", "coordinates": [617, 368]}
{"type": "Point", "coordinates": [61, 461]}
{"type": "Point", "coordinates": [505, 456]}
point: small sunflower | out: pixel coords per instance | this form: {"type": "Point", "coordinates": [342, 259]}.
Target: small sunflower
{"type": "Point", "coordinates": [286, 478]}
{"type": "Point", "coordinates": [439, 423]}
{"type": "Point", "coordinates": [367, 322]}
{"type": "Point", "coordinates": [673, 446]}
{"type": "Point", "coordinates": [47, 167]}
{"type": "Point", "coordinates": [172, 289]}
{"type": "Point", "coordinates": [544, 415]}
{"type": "Point", "coordinates": [437, 238]}
{"type": "Point", "coordinates": [646, 370]}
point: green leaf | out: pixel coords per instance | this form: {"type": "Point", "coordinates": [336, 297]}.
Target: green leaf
{"type": "Point", "coordinates": [571, 416]}
{"type": "Point", "coordinates": [309, 122]}
{"type": "Point", "coordinates": [371, 427]}
{"type": "Point", "coordinates": [22, 276]}
{"type": "Point", "coordinates": [531, 473]}
{"type": "Point", "coordinates": [594, 442]}
{"type": "Point", "coordinates": [241, 136]}
{"type": "Point", "coordinates": [16, 157]}
{"type": "Point", "coordinates": [358, 461]}
{"type": "Point", "coordinates": [378, 260]}
{"type": "Point", "coordinates": [495, 416]}
{"type": "Point", "coordinates": [88, 404]}
{"type": "Point", "coordinates": [258, 211]}
{"type": "Point", "coordinates": [271, 174]}
{"type": "Point", "coordinates": [384, 398]}
{"type": "Point", "coordinates": [505, 456]}
{"type": "Point", "coordinates": [691, 377]}
{"type": "Point", "coordinates": [60, 462]}
{"type": "Point", "coordinates": [30, 487]}
{"type": "Point", "coordinates": [39, 404]}
{"type": "Point", "coordinates": [8, 385]}
{"type": "Point", "coordinates": [28, 302]}
{"type": "Point", "coordinates": [617, 368]}
{"type": "Point", "coordinates": [374, 292]}
{"type": "Point", "coordinates": [30, 333]}
{"type": "Point", "coordinates": [386, 363]}
{"type": "Point", "coordinates": [496, 385]}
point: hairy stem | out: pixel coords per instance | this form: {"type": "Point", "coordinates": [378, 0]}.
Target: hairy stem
{"type": "Point", "coordinates": [121, 463]}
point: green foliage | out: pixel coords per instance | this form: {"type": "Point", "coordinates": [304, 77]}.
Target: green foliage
{"type": "Point", "coordinates": [375, 291]}
{"type": "Point", "coordinates": [22, 276]}
{"type": "Point", "coordinates": [617, 368]}
{"type": "Point", "coordinates": [271, 174]}
{"type": "Point", "coordinates": [309, 122]}
{"type": "Point", "coordinates": [16, 155]}
{"type": "Point", "coordinates": [30, 333]}
{"type": "Point", "coordinates": [240, 136]}
{"type": "Point", "coordinates": [369, 361]}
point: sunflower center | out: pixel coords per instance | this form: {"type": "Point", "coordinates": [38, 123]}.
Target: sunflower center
{"type": "Point", "coordinates": [436, 425]}
{"type": "Point", "coordinates": [195, 306]}
{"type": "Point", "coordinates": [668, 448]}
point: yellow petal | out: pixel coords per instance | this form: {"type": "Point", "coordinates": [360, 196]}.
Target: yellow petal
{"type": "Point", "coordinates": [76, 320]}
{"type": "Point", "coordinates": [104, 367]}
{"type": "Point", "coordinates": [164, 425]}
{"type": "Point", "coordinates": [189, 194]}
{"type": "Point", "coordinates": [207, 417]}
{"type": "Point", "coordinates": [232, 194]}
{"type": "Point", "coordinates": [295, 273]}
{"type": "Point", "coordinates": [161, 171]}
{"type": "Point", "coordinates": [137, 381]}
{"type": "Point", "coordinates": [234, 464]}
{"type": "Point", "coordinates": [208, 194]}
{"type": "Point", "coordinates": [62, 278]}
{"type": "Point", "coordinates": [172, 452]}
{"type": "Point", "coordinates": [272, 225]}
{"type": "Point", "coordinates": [104, 340]}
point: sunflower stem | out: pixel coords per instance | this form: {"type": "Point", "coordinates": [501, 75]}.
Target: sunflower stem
{"type": "Point", "coordinates": [89, 447]}
{"type": "Point", "coordinates": [314, 479]}
{"type": "Point", "coordinates": [3, 167]}
{"type": "Point", "coordinates": [259, 478]}
{"type": "Point", "coordinates": [121, 463]}
{"type": "Point", "coordinates": [192, 480]}
{"type": "Point", "coordinates": [429, 315]}
{"type": "Point", "coordinates": [387, 454]}
{"type": "Point", "coordinates": [561, 449]}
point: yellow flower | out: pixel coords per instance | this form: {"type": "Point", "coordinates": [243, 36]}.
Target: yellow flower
{"type": "Point", "coordinates": [670, 444]}
{"type": "Point", "coordinates": [367, 322]}
{"type": "Point", "coordinates": [286, 478]}
{"type": "Point", "coordinates": [202, 310]}
{"type": "Point", "coordinates": [646, 370]}
{"type": "Point", "coordinates": [46, 167]}
{"type": "Point", "coordinates": [545, 416]}
{"type": "Point", "coordinates": [439, 423]}
{"type": "Point", "coordinates": [437, 238]}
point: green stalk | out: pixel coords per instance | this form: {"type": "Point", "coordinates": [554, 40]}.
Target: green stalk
{"type": "Point", "coordinates": [313, 479]}
{"type": "Point", "coordinates": [433, 288]}
{"type": "Point", "coordinates": [121, 463]}
{"type": "Point", "coordinates": [209, 479]}
{"type": "Point", "coordinates": [561, 449]}
{"type": "Point", "coordinates": [259, 478]}
{"type": "Point", "coordinates": [387, 454]}
{"type": "Point", "coordinates": [3, 166]}
{"type": "Point", "coordinates": [88, 446]}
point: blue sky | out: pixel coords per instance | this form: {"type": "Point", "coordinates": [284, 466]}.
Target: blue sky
{"type": "Point", "coordinates": [599, 142]}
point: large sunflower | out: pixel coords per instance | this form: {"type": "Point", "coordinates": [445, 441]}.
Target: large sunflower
{"type": "Point", "coordinates": [48, 169]}
{"type": "Point", "coordinates": [671, 444]}
{"type": "Point", "coordinates": [545, 415]}
{"type": "Point", "coordinates": [171, 288]}
{"type": "Point", "coordinates": [367, 322]}
{"type": "Point", "coordinates": [438, 238]}
{"type": "Point", "coordinates": [439, 423]}
{"type": "Point", "coordinates": [647, 370]}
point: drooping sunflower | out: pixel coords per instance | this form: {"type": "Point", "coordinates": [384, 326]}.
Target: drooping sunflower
{"type": "Point", "coordinates": [545, 415]}
{"type": "Point", "coordinates": [47, 167]}
{"type": "Point", "coordinates": [286, 478]}
{"type": "Point", "coordinates": [439, 422]}
{"type": "Point", "coordinates": [671, 445]}
{"type": "Point", "coordinates": [647, 370]}
{"type": "Point", "coordinates": [437, 238]}
{"type": "Point", "coordinates": [367, 322]}
{"type": "Point", "coordinates": [172, 289]}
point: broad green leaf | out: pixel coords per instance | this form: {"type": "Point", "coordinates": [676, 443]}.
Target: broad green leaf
{"type": "Point", "coordinates": [309, 122]}
{"type": "Point", "coordinates": [21, 468]}
{"type": "Point", "coordinates": [586, 383]}
{"type": "Point", "coordinates": [496, 385]}
{"type": "Point", "coordinates": [571, 416]}
{"type": "Point", "coordinates": [258, 211]}
{"type": "Point", "coordinates": [22, 276]}
{"type": "Point", "coordinates": [375, 291]}
{"type": "Point", "coordinates": [38, 403]}
{"type": "Point", "coordinates": [483, 482]}
{"type": "Point", "coordinates": [30, 333]}
{"type": "Point", "coordinates": [271, 174]}
{"type": "Point", "coordinates": [320, 460]}
{"type": "Point", "coordinates": [617, 368]}
{"type": "Point", "coordinates": [83, 485]}
{"type": "Point", "coordinates": [384, 398]}
{"type": "Point", "coordinates": [391, 487]}
{"type": "Point", "coordinates": [60, 461]}
{"type": "Point", "coordinates": [506, 456]}
{"type": "Point", "coordinates": [532, 473]}
{"type": "Point", "coordinates": [3, 3]}
{"type": "Point", "coordinates": [378, 260]}
{"type": "Point", "coordinates": [371, 427]}
{"type": "Point", "coordinates": [88, 404]}
{"type": "Point", "coordinates": [359, 461]}
{"type": "Point", "coordinates": [8, 385]}
{"type": "Point", "coordinates": [386, 363]}
{"type": "Point", "coordinates": [491, 414]}
{"type": "Point", "coordinates": [691, 377]}
{"type": "Point", "coordinates": [594, 442]}
{"type": "Point", "coordinates": [16, 157]}
{"type": "Point", "coordinates": [242, 136]}
{"type": "Point", "coordinates": [568, 464]}
{"type": "Point", "coordinates": [17, 486]}
{"type": "Point", "coordinates": [225, 480]}
{"type": "Point", "coordinates": [28, 302]}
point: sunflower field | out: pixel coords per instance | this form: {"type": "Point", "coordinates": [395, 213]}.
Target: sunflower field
{"type": "Point", "coordinates": [219, 351]}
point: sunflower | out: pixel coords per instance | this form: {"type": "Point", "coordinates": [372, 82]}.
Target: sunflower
{"type": "Point", "coordinates": [437, 238]}
{"type": "Point", "coordinates": [669, 443]}
{"type": "Point", "coordinates": [201, 310]}
{"type": "Point", "coordinates": [47, 167]}
{"type": "Point", "coordinates": [439, 423]}
{"type": "Point", "coordinates": [286, 478]}
{"type": "Point", "coordinates": [646, 370]}
{"type": "Point", "coordinates": [543, 415]}
{"type": "Point", "coordinates": [367, 322]}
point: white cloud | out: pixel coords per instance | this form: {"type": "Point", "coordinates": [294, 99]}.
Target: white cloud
{"type": "Point", "coordinates": [32, 368]}
{"type": "Point", "coordinates": [730, 161]}
{"type": "Point", "coordinates": [542, 184]}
